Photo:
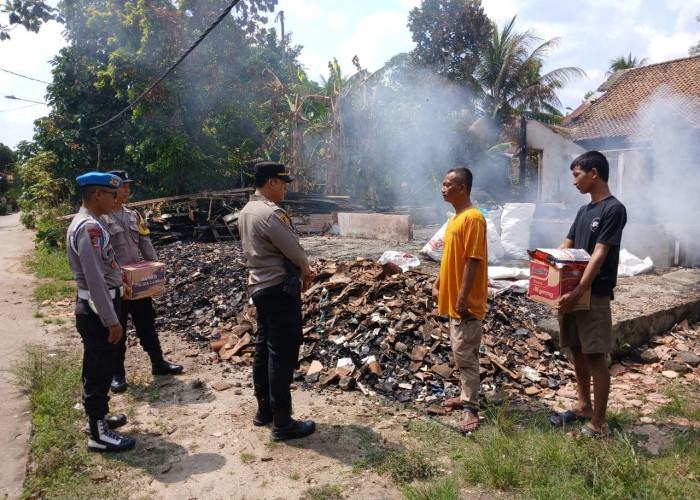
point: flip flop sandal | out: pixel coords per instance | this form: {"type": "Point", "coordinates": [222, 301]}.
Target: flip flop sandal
{"type": "Point", "coordinates": [453, 403]}
{"type": "Point", "coordinates": [589, 431]}
{"type": "Point", "coordinates": [567, 417]}
{"type": "Point", "coordinates": [468, 427]}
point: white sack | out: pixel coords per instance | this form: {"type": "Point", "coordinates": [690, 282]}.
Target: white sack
{"type": "Point", "coordinates": [631, 265]}
{"type": "Point", "coordinates": [515, 229]}
{"type": "Point", "coordinates": [508, 273]}
{"type": "Point", "coordinates": [493, 239]}
{"type": "Point", "coordinates": [433, 249]}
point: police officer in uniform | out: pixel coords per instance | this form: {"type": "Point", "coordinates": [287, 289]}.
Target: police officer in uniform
{"type": "Point", "coordinates": [98, 305]}
{"type": "Point", "coordinates": [278, 272]}
{"type": "Point", "coordinates": [129, 234]}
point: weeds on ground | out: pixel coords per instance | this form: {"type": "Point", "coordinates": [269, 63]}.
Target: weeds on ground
{"type": "Point", "coordinates": [443, 489]}
{"type": "Point", "coordinates": [325, 492]}
{"type": "Point", "coordinates": [246, 458]}
{"type": "Point", "coordinates": [403, 466]}
{"type": "Point", "coordinates": [60, 464]}
{"type": "Point", "coordinates": [520, 453]}
{"type": "Point", "coordinates": [50, 263]}
{"type": "Point", "coordinates": [54, 290]}
{"type": "Point", "coordinates": [684, 402]}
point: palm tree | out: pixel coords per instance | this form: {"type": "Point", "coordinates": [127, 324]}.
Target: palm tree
{"type": "Point", "coordinates": [624, 63]}
{"type": "Point", "coordinates": [511, 80]}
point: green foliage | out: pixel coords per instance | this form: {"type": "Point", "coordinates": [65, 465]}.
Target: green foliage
{"type": "Point", "coordinates": [681, 404]}
{"type": "Point", "coordinates": [51, 262]}
{"type": "Point", "coordinates": [622, 62]}
{"type": "Point", "coordinates": [44, 198]}
{"type": "Point", "coordinates": [450, 36]}
{"type": "Point", "coordinates": [195, 130]}
{"type": "Point", "coordinates": [30, 14]}
{"type": "Point", "coordinates": [510, 79]}
{"type": "Point", "coordinates": [246, 457]}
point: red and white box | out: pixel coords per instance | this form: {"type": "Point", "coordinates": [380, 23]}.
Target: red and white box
{"type": "Point", "coordinates": [555, 272]}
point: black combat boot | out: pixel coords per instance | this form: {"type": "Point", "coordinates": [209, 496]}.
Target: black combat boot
{"type": "Point", "coordinates": [103, 440]}
{"type": "Point", "coordinates": [285, 427]}
{"type": "Point", "coordinates": [113, 422]}
{"type": "Point", "coordinates": [163, 367]}
{"type": "Point", "coordinates": [118, 383]}
{"type": "Point", "coordinates": [264, 414]}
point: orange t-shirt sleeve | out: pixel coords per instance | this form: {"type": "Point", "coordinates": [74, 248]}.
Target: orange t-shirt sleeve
{"type": "Point", "coordinates": [474, 234]}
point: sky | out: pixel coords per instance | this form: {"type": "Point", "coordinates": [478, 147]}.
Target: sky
{"type": "Point", "coordinates": [592, 33]}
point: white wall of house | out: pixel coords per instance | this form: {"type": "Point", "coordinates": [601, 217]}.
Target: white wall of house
{"type": "Point", "coordinates": [557, 152]}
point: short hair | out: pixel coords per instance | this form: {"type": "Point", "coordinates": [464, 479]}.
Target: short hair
{"type": "Point", "coordinates": [260, 181]}
{"type": "Point", "coordinates": [463, 176]}
{"type": "Point", "coordinates": [87, 191]}
{"type": "Point", "coordinates": [590, 160]}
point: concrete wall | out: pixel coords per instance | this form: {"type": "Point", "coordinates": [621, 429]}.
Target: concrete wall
{"type": "Point", "coordinates": [557, 153]}
{"type": "Point", "coordinates": [375, 226]}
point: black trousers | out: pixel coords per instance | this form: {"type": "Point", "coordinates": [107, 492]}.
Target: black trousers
{"type": "Point", "coordinates": [99, 357]}
{"type": "Point", "coordinates": [144, 317]}
{"type": "Point", "coordinates": [279, 337]}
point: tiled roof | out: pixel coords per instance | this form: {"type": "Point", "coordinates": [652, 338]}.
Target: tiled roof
{"type": "Point", "coordinates": [618, 112]}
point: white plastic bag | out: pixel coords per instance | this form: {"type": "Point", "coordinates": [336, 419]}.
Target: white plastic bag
{"type": "Point", "coordinates": [631, 265]}
{"type": "Point", "coordinates": [404, 260]}
{"type": "Point", "coordinates": [515, 229]}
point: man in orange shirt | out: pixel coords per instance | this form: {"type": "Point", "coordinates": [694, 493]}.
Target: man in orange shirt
{"type": "Point", "coordinates": [461, 289]}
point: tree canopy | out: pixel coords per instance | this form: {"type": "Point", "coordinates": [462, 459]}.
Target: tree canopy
{"type": "Point", "coordinates": [450, 36]}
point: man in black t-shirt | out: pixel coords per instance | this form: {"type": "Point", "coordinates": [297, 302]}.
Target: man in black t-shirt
{"type": "Point", "coordinates": [598, 230]}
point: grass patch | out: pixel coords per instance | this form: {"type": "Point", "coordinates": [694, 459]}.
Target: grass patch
{"type": "Point", "coordinates": [402, 466]}
{"type": "Point", "coordinates": [246, 458]}
{"type": "Point", "coordinates": [60, 464]}
{"type": "Point", "coordinates": [325, 492]}
{"type": "Point", "coordinates": [38, 314]}
{"type": "Point", "coordinates": [684, 402]}
{"type": "Point", "coordinates": [520, 454]}
{"type": "Point", "coordinates": [50, 263]}
{"type": "Point", "coordinates": [443, 489]}
{"type": "Point", "coordinates": [54, 290]}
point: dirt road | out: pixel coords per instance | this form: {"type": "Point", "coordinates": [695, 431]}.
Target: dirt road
{"type": "Point", "coordinates": [19, 327]}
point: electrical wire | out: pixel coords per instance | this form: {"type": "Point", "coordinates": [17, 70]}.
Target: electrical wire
{"type": "Point", "coordinates": [22, 76]}
{"type": "Point", "coordinates": [172, 68]}
{"type": "Point", "coordinates": [17, 109]}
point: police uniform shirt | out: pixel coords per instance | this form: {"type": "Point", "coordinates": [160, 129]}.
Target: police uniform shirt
{"type": "Point", "coordinates": [267, 237]}
{"type": "Point", "coordinates": [129, 236]}
{"type": "Point", "coordinates": [91, 259]}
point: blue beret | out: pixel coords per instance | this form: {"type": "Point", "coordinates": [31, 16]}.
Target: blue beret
{"type": "Point", "coordinates": [99, 179]}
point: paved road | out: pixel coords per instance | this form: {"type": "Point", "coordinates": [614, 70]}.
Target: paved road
{"type": "Point", "coordinates": [17, 327]}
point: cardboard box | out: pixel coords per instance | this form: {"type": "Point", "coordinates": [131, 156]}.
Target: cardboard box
{"type": "Point", "coordinates": [555, 272]}
{"type": "Point", "coordinates": [145, 278]}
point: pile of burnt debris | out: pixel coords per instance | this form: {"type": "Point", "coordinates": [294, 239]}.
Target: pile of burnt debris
{"type": "Point", "coordinates": [368, 327]}
{"type": "Point", "coordinates": [213, 216]}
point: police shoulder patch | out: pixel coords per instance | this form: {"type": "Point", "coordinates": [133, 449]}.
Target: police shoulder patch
{"type": "Point", "coordinates": [95, 236]}
{"type": "Point", "coordinates": [143, 228]}
{"type": "Point", "coordinates": [285, 218]}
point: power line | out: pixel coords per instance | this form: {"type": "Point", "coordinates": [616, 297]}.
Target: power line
{"type": "Point", "coordinates": [20, 99]}
{"type": "Point", "coordinates": [17, 109]}
{"type": "Point", "coordinates": [172, 68]}
{"type": "Point", "coordinates": [22, 76]}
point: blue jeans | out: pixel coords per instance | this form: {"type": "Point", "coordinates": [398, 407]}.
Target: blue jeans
{"type": "Point", "coordinates": [279, 337]}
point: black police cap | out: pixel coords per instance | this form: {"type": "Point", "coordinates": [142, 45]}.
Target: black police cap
{"type": "Point", "coordinates": [271, 169]}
